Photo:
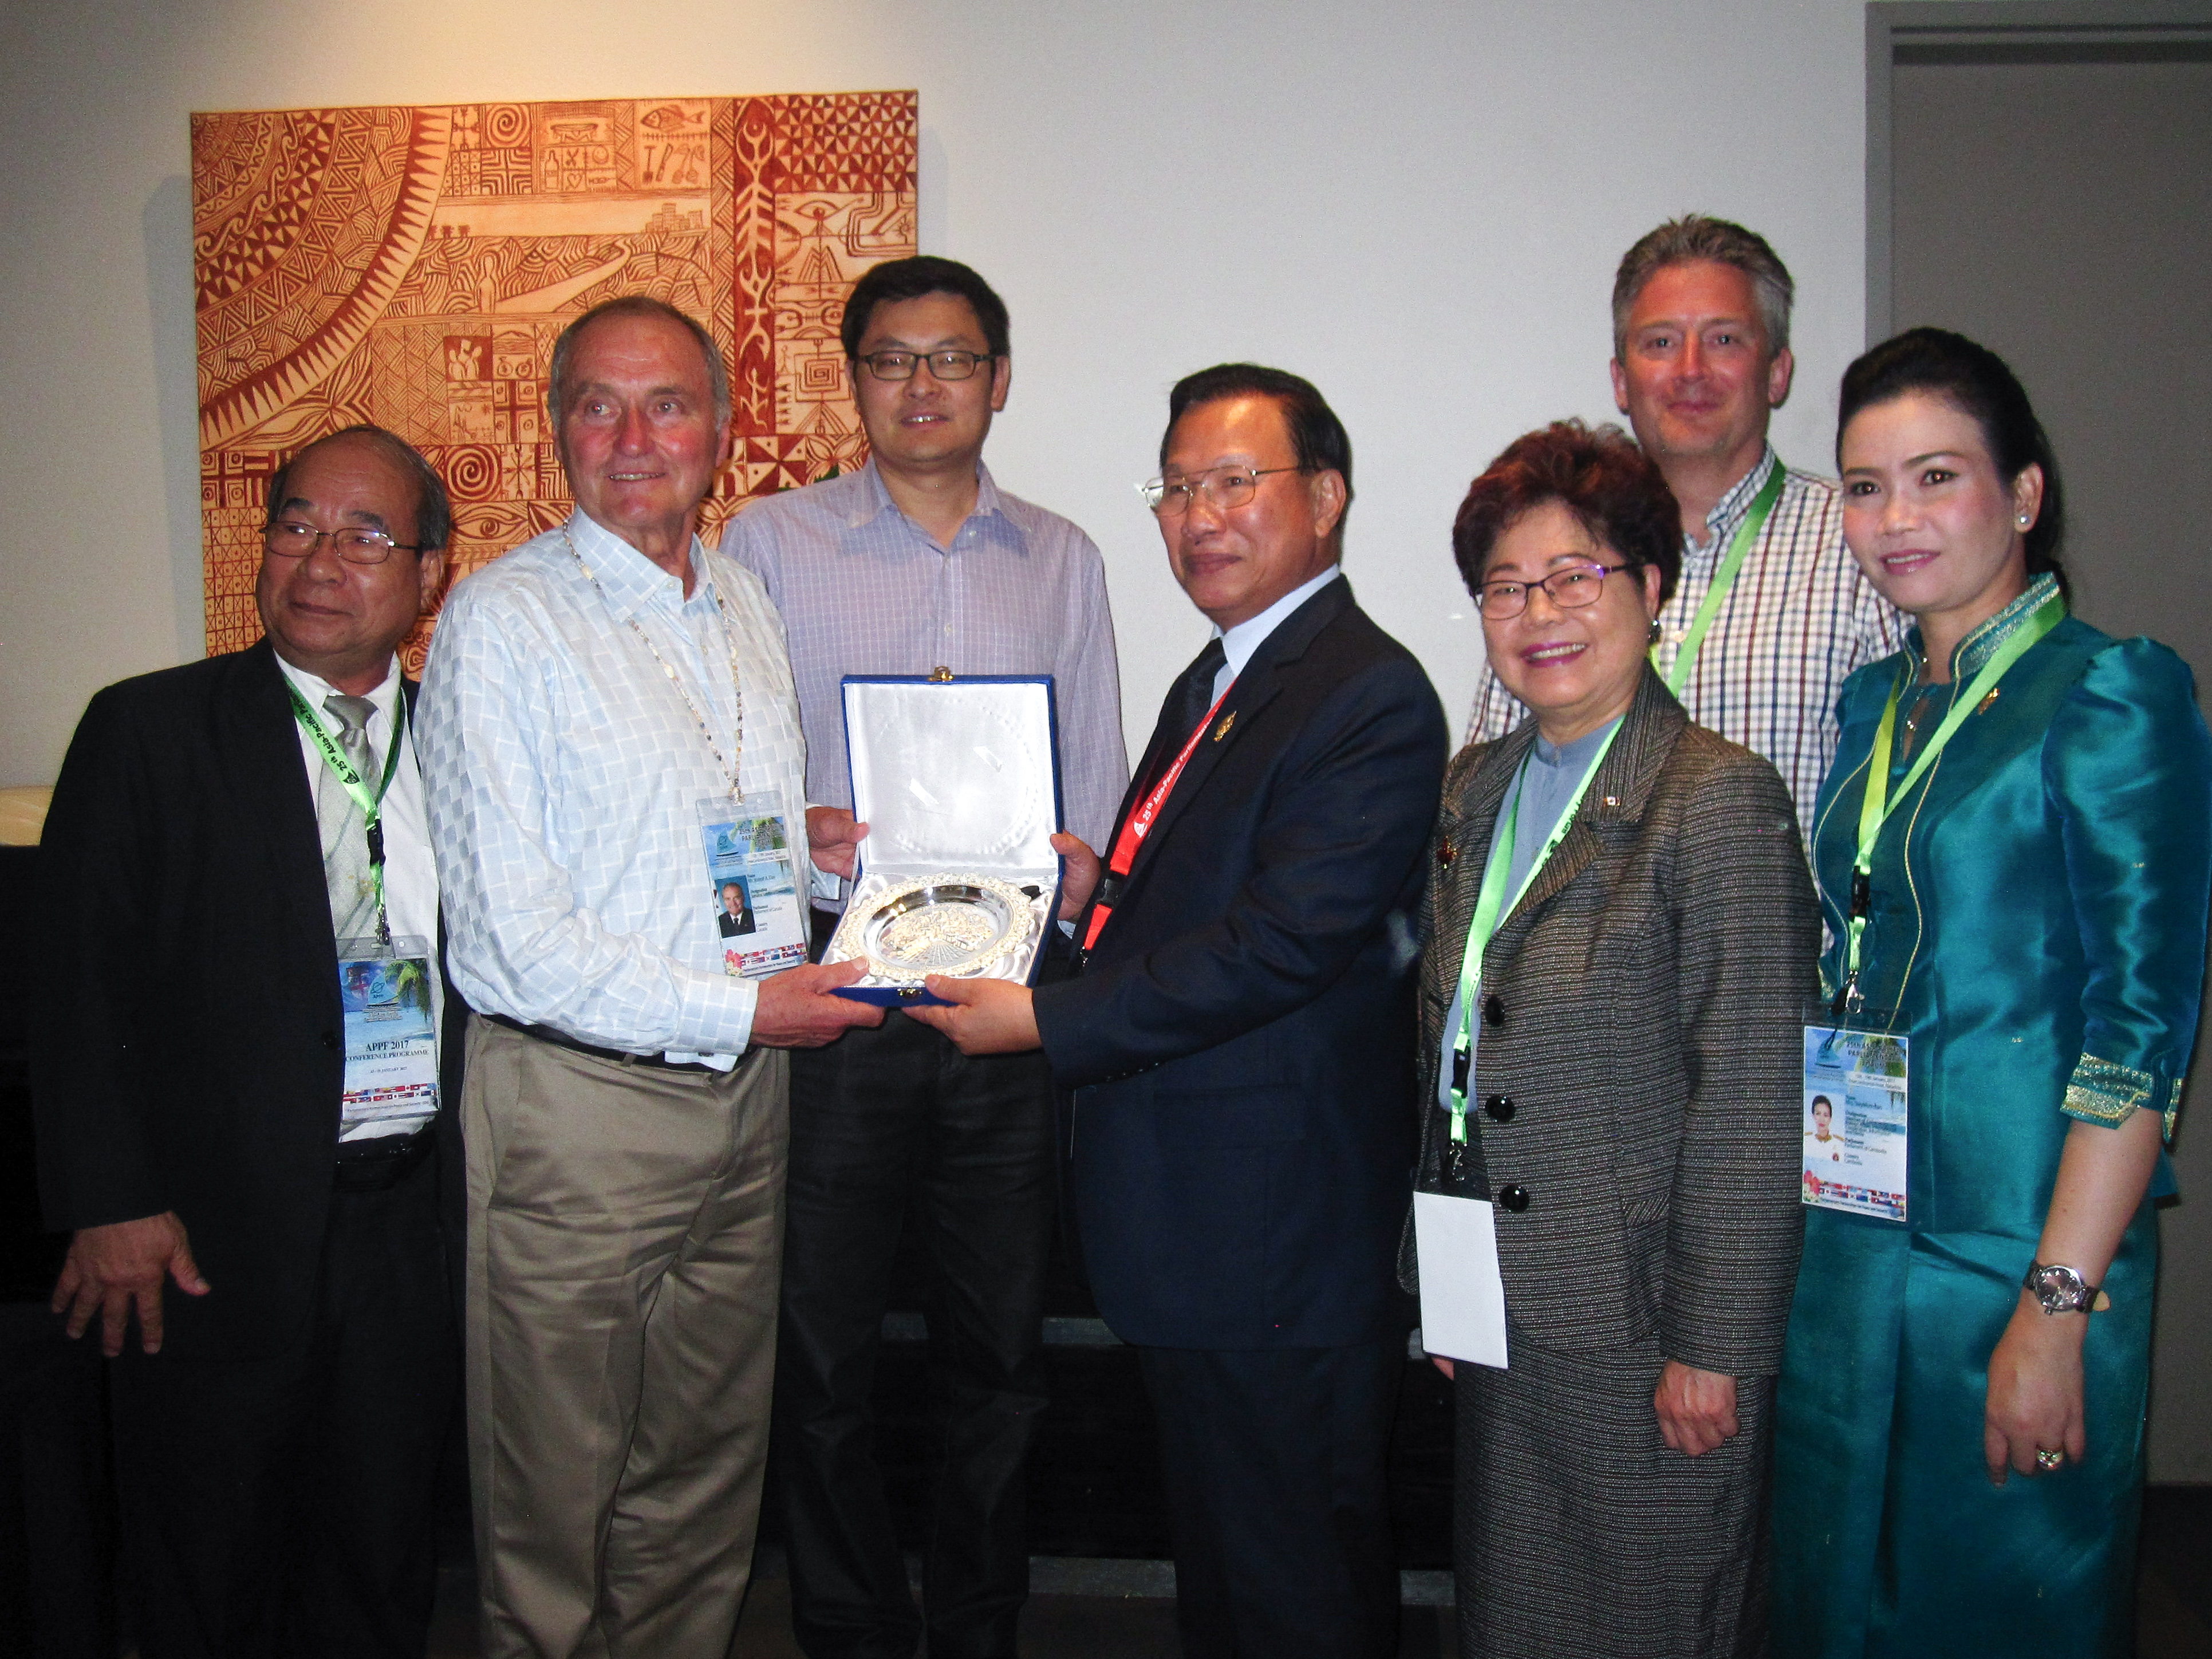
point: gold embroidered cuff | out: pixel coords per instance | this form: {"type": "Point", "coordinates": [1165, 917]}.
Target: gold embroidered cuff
{"type": "Point", "coordinates": [2173, 1105]}
{"type": "Point", "coordinates": [2102, 1092]}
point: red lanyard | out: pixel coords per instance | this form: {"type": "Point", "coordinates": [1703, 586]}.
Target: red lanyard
{"type": "Point", "coordinates": [1139, 823]}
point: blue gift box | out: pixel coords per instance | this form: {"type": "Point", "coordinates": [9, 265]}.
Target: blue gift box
{"type": "Point", "coordinates": [954, 777]}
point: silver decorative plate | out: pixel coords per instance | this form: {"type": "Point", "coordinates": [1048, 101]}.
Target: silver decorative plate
{"type": "Point", "coordinates": [959, 925]}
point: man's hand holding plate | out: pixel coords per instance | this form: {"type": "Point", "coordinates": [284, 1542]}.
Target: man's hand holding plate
{"type": "Point", "coordinates": [797, 1009]}
{"type": "Point", "coordinates": [988, 1016]}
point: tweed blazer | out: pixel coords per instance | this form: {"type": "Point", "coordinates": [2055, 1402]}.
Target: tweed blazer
{"type": "Point", "coordinates": [1639, 1063]}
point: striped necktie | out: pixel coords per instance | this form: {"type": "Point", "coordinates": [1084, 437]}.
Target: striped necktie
{"type": "Point", "coordinates": [345, 841]}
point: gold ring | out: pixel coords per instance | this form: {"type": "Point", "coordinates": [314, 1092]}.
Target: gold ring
{"type": "Point", "coordinates": [2048, 1460]}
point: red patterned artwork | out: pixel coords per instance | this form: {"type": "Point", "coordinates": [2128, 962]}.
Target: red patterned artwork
{"type": "Point", "coordinates": [411, 266]}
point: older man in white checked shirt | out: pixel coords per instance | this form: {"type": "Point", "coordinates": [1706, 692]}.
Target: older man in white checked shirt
{"type": "Point", "coordinates": [589, 697]}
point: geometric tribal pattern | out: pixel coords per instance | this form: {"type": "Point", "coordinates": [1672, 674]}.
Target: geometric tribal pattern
{"type": "Point", "coordinates": [412, 265]}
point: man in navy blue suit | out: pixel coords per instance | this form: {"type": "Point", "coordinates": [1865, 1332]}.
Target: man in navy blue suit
{"type": "Point", "coordinates": [1236, 1031]}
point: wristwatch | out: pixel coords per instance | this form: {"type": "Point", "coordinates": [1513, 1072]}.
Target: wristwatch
{"type": "Point", "coordinates": [2060, 1290]}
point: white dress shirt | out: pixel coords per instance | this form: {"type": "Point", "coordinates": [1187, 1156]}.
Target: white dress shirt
{"type": "Point", "coordinates": [410, 877]}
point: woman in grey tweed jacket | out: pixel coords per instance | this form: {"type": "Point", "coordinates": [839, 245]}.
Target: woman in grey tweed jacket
{"type": "Point", "coordinates": [1633, 1108]}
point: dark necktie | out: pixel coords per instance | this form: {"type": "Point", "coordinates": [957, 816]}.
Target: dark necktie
{"type": "Point", "coordinates": [1187, 700]}
{"type": "Point", "coordinates": [1195, 690]}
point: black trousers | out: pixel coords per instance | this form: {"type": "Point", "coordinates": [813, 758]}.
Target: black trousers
{"type": "Point", "coordinates": [57, 1517]}
{"type": "Point", "coordinates": [884, 1121]}
{"type": "Point", "coordinates": [283, 1507]}
{"type": "Point", "coordinates": [1273, 1462]}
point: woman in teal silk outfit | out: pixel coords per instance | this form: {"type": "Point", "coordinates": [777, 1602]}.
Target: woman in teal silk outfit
{"type": "Point", "coordinates": [1958, 1469]}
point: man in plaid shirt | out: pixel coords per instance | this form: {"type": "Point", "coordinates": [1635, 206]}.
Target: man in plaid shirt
{"type": "Point", "coordinates": [1700, 360]}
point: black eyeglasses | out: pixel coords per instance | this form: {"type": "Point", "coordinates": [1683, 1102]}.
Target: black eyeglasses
{"type": "Point", "coordinates": [943, 365]}
{"type": "Point", "coordinates": [1570, 589]}
{"type": "Point", "coordinates": [289, 539]}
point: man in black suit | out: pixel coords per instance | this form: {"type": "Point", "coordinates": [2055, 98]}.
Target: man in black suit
{"type": "Point", "coordinates": [1237, 1034]}
{"type": "Point", "coordinates": [277, 1424]}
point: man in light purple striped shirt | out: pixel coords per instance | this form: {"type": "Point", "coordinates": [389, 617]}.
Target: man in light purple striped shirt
{"type": "Point", "coordinates": [918, 562]}
{"type": "Point", "coordinates": [1701, 360]}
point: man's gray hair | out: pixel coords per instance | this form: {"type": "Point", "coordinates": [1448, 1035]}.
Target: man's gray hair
{"type": "Point", "coordinates": [633, 305]}
{"type": "Point", "coordinates": [434, 508]}
{"type": "Point", "coordinates": [1694, 237]}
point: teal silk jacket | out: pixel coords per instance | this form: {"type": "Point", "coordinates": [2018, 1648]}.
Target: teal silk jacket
{"type": "Point", "coordinates": [2037, 925]}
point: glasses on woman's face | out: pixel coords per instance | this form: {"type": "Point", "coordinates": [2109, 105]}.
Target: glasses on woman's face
{"type": "Point", "coordinates": [1569, 589]}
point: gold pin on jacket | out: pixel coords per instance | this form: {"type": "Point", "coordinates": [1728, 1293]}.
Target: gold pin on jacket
{"type": "Point", "coordinates": [1221, 730]}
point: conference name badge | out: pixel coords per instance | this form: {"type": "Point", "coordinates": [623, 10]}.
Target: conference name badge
{"type": "Point", "coordinates": [390, 1030]}
{"type": "Point", "coordinates": [752, 901]}
{"type": "Point", "coordinates": [1854, 1121]}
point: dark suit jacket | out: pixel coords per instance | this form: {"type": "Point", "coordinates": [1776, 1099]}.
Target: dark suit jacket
{"type": "Point", "coordinates": [1240, 1040]}
{"type": "Point", "coordinates": [1652, 987]}
{"type": "Point", "coordinates": [189, 1055]}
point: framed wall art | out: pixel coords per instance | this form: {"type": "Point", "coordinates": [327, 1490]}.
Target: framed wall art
{"type": "Point", "coordinates": [410, 265]}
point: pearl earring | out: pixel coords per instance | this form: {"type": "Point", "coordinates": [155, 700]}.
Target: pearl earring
{"type": "Point", "coordinates": [2025, 521]}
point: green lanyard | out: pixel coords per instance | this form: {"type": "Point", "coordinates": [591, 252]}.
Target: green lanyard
{"type": "Point", "coordinates": [1490, 906]}
{"type": "Point", "coordinates": [1723, 579]}
{"type": "Point", "coordinates": [371, 806]}
{"type": "Point", "coordinates": [1877, 804]}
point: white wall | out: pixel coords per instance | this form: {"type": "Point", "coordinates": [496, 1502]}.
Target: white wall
{"type": "Point", "coordinates": [1419, 206]}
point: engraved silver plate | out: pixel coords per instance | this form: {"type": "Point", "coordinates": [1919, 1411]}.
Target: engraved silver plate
{"type": "Point", "coordinates": [960, 926]}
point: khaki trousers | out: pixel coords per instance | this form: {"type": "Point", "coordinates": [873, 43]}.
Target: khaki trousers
{"type": "Point", "coordinates": [625, 1246]}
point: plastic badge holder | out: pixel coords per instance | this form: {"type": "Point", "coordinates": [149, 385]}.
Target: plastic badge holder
{"type": "Point", "coordinates": [958, 782]}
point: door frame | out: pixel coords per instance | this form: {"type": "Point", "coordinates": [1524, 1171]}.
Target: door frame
{"type": "Point", "coordinates": [1915, 31]}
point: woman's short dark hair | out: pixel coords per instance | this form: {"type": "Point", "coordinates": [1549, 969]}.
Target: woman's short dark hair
{"type": "Point", "coordinates": [1978, 383]}
{"type": "Point", "coordinates": [917, 279]}
{"type": "Point", "coordinates": [1599, 475]}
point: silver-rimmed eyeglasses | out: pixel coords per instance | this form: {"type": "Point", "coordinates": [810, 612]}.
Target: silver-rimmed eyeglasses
{"type": "Point", "coordinates": [289, 539]}
{"type": "Point", "coordinates": [1225, 487]}
{"type": "Point", "coordinates": [1570, 589]}
{"type": "Point", "coordinates": [943, 365]}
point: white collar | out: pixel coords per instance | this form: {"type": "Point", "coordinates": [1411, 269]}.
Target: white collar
{"type": "Point", "coordinates": [1238, 643]}
{"type": "Point", "coordinates": [629, 580]}
{"type": "Point", "coordinates": [314, 687]}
